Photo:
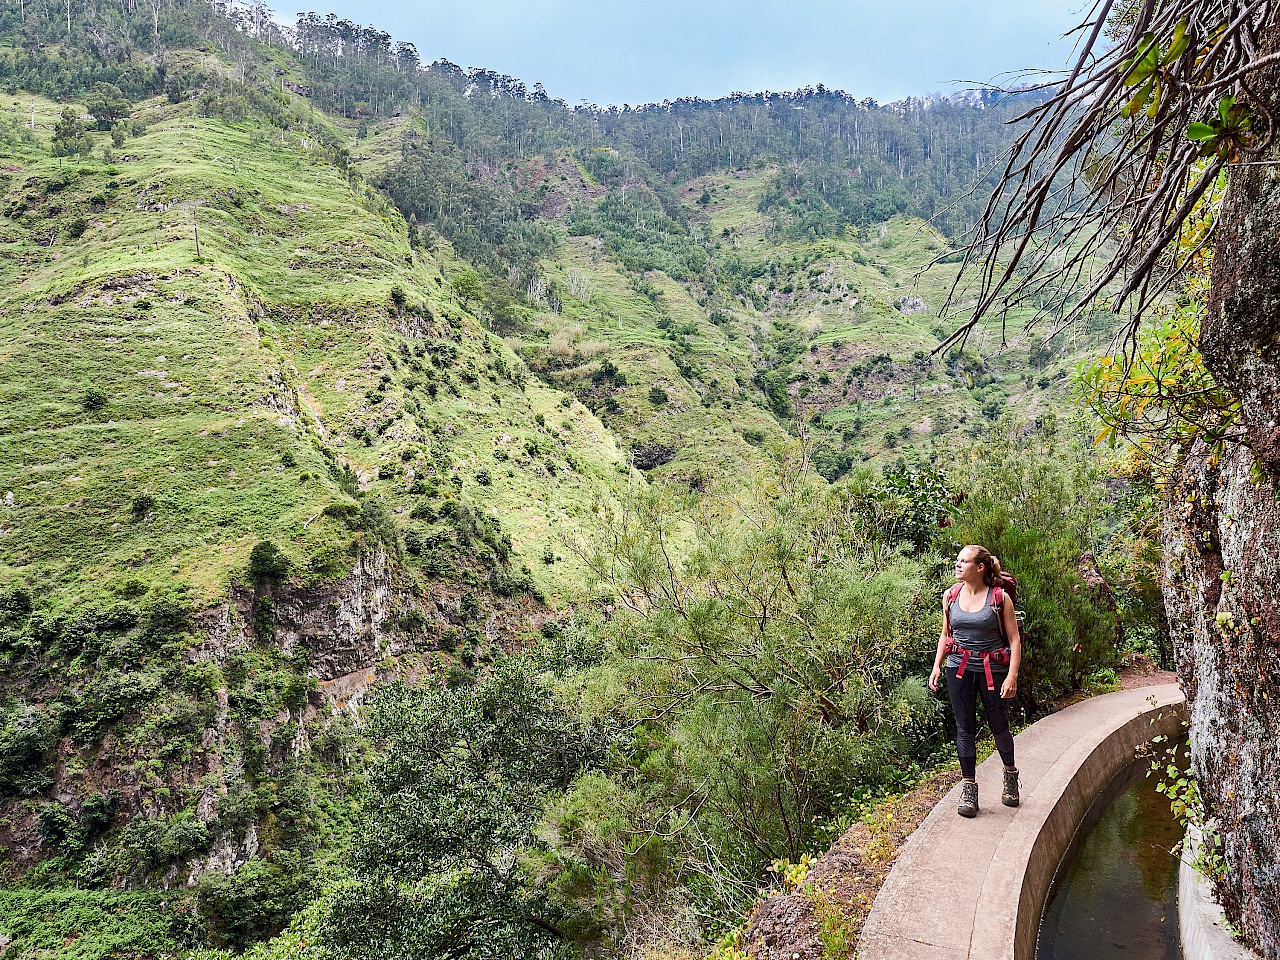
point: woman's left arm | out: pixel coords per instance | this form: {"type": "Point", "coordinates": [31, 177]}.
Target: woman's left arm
{"type": "Point", "coordinates": [1010, 687]}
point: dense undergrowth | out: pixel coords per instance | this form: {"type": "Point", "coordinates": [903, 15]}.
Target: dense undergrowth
{"type": "Point", "coordinates": [627, 783]}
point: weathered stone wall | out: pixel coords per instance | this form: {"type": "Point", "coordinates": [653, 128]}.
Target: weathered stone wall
{"type": "Point", "coordinates": [1222, 566]}
{"type": "Point", "coordinates": [1222, 545]}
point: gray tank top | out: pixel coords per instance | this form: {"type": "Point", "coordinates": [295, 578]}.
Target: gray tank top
{"type": "Point", "coordinates": [978, 631]}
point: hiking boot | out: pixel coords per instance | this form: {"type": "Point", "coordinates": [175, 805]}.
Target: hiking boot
{"type": "Point", "coordinates": [1010, 795]}
{"type": "Point", "coordinates": [968, 799]}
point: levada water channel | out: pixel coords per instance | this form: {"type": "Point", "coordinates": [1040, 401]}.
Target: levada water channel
{"type": "Point", "coordinates": [1118, 895]}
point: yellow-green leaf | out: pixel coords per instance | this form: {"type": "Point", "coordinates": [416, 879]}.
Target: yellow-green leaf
{"type": "Point", "coordinates": [1139, 99]}
{"type": "Point", "coordinates": [1178, 45]}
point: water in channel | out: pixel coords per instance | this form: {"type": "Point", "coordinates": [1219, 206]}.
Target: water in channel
{"type": "Point", "coordinates": [1119, 896]}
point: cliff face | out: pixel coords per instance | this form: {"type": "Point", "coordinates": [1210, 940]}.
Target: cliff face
{"type": "Point", "coordinates": [344, 635]}
{"type": "Point", "coordinates": [1222, 549]}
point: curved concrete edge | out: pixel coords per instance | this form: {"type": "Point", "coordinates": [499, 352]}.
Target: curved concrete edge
{"type": "Point", "coordinates": [1077, 779]}
{"type": "Point", "coordinates": [975, 889]}
{"type": "Point", "coordinates": [1201, 922]}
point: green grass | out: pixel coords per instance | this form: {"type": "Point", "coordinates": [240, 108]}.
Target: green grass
{"type": "Point", "coordinates": [90, 925]}
{"type": "Point", "coordinates": [217, 371]}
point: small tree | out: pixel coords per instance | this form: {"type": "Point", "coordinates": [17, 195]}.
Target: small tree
{"type": "Point", "coordinates": [70, 139]}
{"type": "Point", "coordinates": [267, 563]}
{"type": "Point", "coordinates": [93, 399]}
{"type": "Point", "coordinates": [467, 286]}
{"type": "Point", "coordinates": [106, 104]}
{"type": "Point", "coordinates": [173, 88]}
{"type": "Point", "coordinates": [451, 819]}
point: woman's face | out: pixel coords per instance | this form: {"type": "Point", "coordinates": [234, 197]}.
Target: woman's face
{"type": "Point", "coordinates": [966, 567]}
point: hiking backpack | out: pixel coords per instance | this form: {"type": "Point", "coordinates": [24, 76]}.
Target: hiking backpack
{"type": "Point", "coordinates": [1006, 586]}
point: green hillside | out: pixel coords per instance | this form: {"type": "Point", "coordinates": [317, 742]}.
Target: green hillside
{"type": "Point", "coordinates": [321, 372]}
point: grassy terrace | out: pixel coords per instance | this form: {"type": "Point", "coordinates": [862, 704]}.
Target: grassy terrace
{"type": "Point", "coordinates": [160, 413]}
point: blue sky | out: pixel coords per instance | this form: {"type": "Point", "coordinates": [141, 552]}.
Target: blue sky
{"type": "Point", "coordinates": [635, 51]}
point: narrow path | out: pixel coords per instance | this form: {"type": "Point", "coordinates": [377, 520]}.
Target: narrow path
{"type": "Point", "coordinates": [974, 889]}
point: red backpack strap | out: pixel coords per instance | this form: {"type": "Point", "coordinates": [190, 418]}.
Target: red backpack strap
{"type": "Point", "coordinates": [997, 604]}
{"type": "Point", "coordinates": [952, 592]}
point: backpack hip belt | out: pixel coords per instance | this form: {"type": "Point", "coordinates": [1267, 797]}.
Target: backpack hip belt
{"type": "Point", "coordinates": [998, 657]}
{"type": "Point", "coordinates": [1001, 657]}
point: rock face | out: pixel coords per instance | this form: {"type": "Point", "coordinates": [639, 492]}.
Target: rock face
{"type": "Point", "coordinates": [1222, 566]}
{"type": "Point", "coordinates": [1222, 549]}
{"type": "Point", "coordinates": [344, 630]}
{"type": "Point", "coordinates": [784, 928]}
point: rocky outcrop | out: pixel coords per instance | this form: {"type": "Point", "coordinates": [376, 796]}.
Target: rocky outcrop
{"type": "Point", "coordinates": [347, 627]}
{"type": "Point", "coordinates": [784, 927]}
{"type": "Point", "coordinates": [1222, 571]}
{"type": "Point", "coordinates": [1222, 542]}
{"type": "Point", "coordinates": [347, 632]}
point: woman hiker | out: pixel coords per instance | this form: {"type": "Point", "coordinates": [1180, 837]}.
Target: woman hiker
{"type": "Point", "coordinates": [983, 650]}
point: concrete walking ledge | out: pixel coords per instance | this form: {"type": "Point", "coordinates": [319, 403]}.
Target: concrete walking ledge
{"type": "Point", "coordinates": [1201, 923]}
{"type": "Point", "coordinates": [975, 889]}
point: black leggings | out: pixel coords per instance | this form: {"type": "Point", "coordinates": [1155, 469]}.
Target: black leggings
{"type": "Point", "coordinates": [964, 696]}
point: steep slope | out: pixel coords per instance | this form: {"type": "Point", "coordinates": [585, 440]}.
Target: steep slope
{"type": "Point", "coordinates": [308, 384]}
{"type": "Point", "coordinates": [238, 485]}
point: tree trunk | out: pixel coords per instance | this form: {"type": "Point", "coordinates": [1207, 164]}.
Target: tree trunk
{"type": "Point", "coordinates": [1222, 551]}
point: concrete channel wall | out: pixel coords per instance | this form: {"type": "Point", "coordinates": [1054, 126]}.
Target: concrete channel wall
{"type": "Point", "coordinates": [975, 889]}
{"type": "Point", "coordinates": [1201, 923]}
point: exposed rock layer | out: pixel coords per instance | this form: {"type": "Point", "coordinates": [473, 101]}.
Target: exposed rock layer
{"type": "Point", "coordinates": [1222, 546]}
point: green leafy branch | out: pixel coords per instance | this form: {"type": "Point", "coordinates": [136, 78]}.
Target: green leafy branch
{"type": "Point", "coordinates": [1227, 133]}
{"type": "Point", "coordinates": [1151, 68]}
{"type": "Point", "coordinates": [1162, 398]}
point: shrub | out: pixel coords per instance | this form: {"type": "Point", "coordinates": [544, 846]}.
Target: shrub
{"type": "Point", "coordinates": [484, 478]}
{"type": "Point", "coordinates": [376, 520]}
{"type": "Point", "coordinates": [148, 842]}
{"type": "Point", "coordinates": [330, 558]}
{"type": "Point", "coordinates": [93, 399]}
{"type": "Point", "coordinates": [168, 616]}
{"type": "Point", "coordinates": [26, 736]}
{"type": "Point", "coordinates": [76, 228]}
{"type": "Point", "coordinates": [142, 505]}
{"type": "Point", "coordinates": [346, 511]}
{"type": "Point", "coordinates": [264, 625]}
{"type": "Point", "coordinates": [15, 604]}
{"type": "Point", "coordinates": [58, 827]}
{"type": "Point", "coordinates": [267, 563]}
{"type": "Point", "coordinates": [97, 810]}
{"type": "Point", "coordinates": [657, 396]}
{"type": "Point", "coordinates": [252, 904]}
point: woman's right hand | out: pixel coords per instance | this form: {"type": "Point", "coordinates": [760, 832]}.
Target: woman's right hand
{"type": "Point", "coordinates": [934, 678]}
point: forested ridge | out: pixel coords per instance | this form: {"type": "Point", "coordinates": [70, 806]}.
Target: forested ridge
{"type": "Point", "coordinates": [440, 520]}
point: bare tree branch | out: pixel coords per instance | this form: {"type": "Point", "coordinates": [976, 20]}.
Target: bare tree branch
{"type": "Point", "coordinates": [1096, 188]}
